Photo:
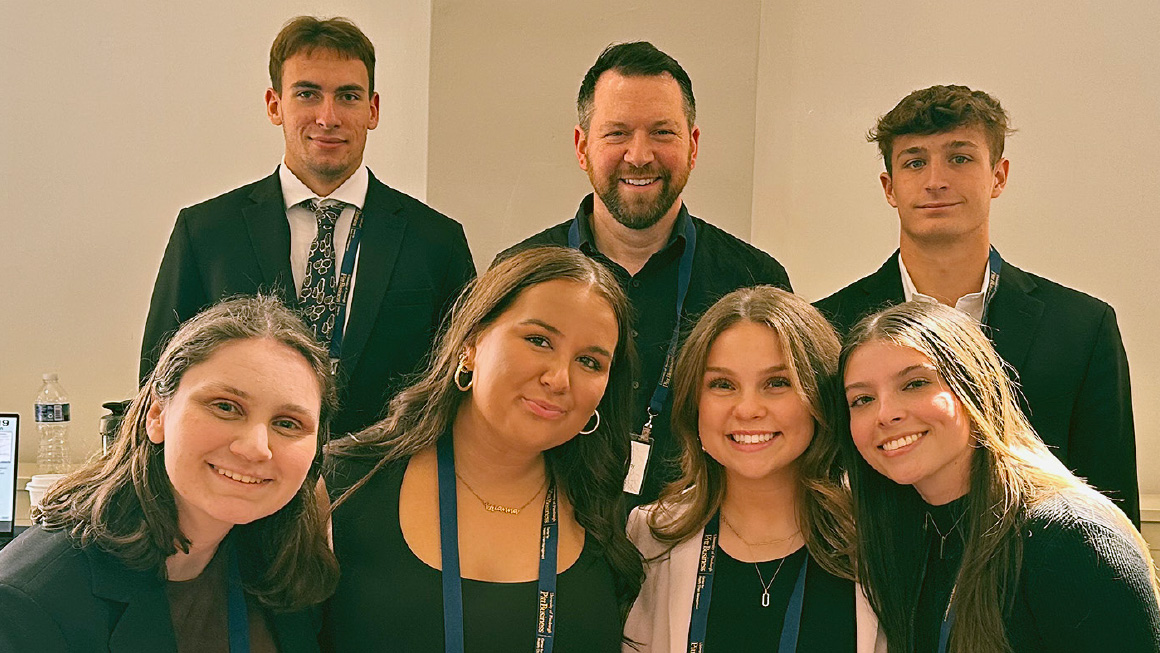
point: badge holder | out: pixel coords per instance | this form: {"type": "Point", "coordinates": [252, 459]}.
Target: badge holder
{"type": "Point", "coordinates": [638, 458]}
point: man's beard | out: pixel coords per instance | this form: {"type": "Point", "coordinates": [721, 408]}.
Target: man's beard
{"type": "Point", "coordinates": [643, 213]}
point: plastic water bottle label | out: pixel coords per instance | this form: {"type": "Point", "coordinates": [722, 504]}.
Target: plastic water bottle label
{"type": "Point", "coordinates": [52, 413]}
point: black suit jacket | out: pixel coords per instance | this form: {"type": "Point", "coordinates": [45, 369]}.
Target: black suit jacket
{"type": "Point", "coordinates": [1071, 365]}
{"type": "Point", "coordinates": [413, 262]}
{"type": "Point", "coordinates": [57, 598]}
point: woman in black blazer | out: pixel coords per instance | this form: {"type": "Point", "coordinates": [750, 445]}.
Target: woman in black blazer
{"type": "Point", "coordinates": [200, 529]}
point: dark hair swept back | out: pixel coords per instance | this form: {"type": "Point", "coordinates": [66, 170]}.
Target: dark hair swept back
{"type": "Point", "coordinates": [123, 502]}
{"type": "Point", "coordinates": [635, 59]}
{"type": "Point", "coordinates": [939, 109]}
{"type": "Point", "coordinates": [589, 468]}
{"type": "Point", "coordinates": [305, 34]}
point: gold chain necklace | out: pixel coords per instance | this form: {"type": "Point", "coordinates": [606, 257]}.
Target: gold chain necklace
{"type": "Point", "coordinates": [495, 507]}
{"type": "Point", "coordinates": [761, 579]}
{"type": "Point", "coordinates": [753, 544]}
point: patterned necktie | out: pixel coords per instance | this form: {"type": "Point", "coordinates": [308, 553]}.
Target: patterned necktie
{"type": "Point", "coordinates": [319, 286]}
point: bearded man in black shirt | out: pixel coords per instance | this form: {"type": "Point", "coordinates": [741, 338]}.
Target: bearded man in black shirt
{"type": "Point", "coordinates": [637, 140]}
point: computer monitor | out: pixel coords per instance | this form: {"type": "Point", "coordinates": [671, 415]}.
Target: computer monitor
{"type": "Point", "coordinates": [9, 439]}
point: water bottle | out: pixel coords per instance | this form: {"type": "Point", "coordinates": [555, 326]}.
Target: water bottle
{"type": "Point", "coordinates": [52, 420]}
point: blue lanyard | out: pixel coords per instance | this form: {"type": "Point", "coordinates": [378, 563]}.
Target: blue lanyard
{"type": "Point", "coordinates": [239, 618]}
{"type": "Point", "coordinates": [944, 631]}
{"type": "Point", "coordinates": [703, 594]}
{"type": "Point", "coordinates": [994, 266]}
{"type": "Point", "coordinates": [342, 293]}
{"type": "Point", "coordinates": [449, 542]}
{"type": "Point", "coordinates": [684, 276]}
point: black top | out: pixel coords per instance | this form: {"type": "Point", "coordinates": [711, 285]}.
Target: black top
{"type": "Point", "coordinates": [1083, 587]}
{"type": "Point", "coordinates": [1069, 359]}
{"type": "Point", "coordinates": [738, 622]}
{"type": "Point", "coordinates": [721, 264]}
{"type": "Point", "coordinates": [390, 600]}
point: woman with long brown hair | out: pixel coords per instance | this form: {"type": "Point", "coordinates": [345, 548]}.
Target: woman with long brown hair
{"type": "Point", "coordinates": [972, 536]}
{"type": "Point", "coordinates": [749, 549]}
{"type": "Point", "coordinates": [200, 530]}
{"type": "Point", "coordinates": [484, 512]}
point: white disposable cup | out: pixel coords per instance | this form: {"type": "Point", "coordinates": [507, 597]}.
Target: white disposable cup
{"type": "Point", "coordinates": [38, 485]}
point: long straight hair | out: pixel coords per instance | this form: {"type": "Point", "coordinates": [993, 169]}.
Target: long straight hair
{"type": "Point", "coordinates": [590, 468]}
{"type": "Point", "coordinates": [811, 349]}
{"type": "Point", "coordinates": [1011, 471]}
{"type": "Point", "coordinates": [123, 503]}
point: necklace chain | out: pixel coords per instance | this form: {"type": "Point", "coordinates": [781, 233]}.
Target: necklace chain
{"type": "Point", "coordinates": [761, 579]}
{"type": "Point", "coordinates": [753, 544]}
{"type": "Point", "coordinates": [495, 507]}
{"type": "Point", "coordinates": [942, 537]}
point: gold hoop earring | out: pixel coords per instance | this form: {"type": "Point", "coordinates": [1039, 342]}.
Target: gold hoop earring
{"type": "Point", "coordinates": [596, 414]}
{"type": "Point", "coordinates": [459, 372]}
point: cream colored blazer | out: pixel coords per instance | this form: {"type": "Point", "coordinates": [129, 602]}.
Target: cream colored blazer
{"type": "Point", "coordinates": [659, 620]}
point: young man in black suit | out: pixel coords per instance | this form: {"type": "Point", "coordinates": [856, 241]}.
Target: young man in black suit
{"type": "Point", "coordinates": [943, 151]}
{"type": "Point", "coordinates": [299, 232]}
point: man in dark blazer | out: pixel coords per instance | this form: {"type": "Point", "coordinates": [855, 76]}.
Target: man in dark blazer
{"type": "Point", "coordinates": [411, 261]}
{"type": "Point", "coordinates": [943, 152]}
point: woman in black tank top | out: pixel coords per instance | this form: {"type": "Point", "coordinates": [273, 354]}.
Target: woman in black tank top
{"type": "Point", "coordinates": [513, 442]}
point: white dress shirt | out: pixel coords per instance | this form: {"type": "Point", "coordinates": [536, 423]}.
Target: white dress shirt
{"type": "Point", "coordinates": [971, 304]}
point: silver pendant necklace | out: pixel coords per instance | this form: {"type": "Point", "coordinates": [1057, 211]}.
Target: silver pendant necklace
{"type": "Point", "coordinates": [764, 585]}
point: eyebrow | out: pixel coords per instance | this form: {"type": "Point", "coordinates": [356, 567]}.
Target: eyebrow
{"type": "Point", "coordinates": [617, 124]}
{"type": "Point", "coordinates": [225, 387]}
{"type": "Point", "coordinates": [318, 87]}
{"type": "Point", "coordinates": [551, 329]}
{"type": "Point", "coordinates": [905, 371]}
{"type": "Point", "coordinates": [726, 370]}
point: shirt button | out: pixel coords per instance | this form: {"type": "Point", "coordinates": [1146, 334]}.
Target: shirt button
{"type": "Point", "coordinates": [635, 283]}
{"type": "Point", "coordinates": [636, 385]}
{"type": "Point", "coordinates": [635, 333]}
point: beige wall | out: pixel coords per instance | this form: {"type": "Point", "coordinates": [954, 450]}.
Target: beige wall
{"type": "Point", "coordinates": [116, 116]}
{"type": "Point", "coordinates": [504, 77]}
{"type": "Point", "coordinates": [142, 108]}
{"type": "Point", "coordinates": [1082, 83]}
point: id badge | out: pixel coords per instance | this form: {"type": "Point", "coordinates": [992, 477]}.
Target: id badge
{"type": "Point", "coordinates": [637, 463]}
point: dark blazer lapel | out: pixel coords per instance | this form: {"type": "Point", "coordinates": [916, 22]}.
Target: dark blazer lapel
{"type": "Point", "coordinates": [145, 626]}
{"type": "Point", "coordinates": [270, 237]}
{"type": "Point", "coordinates": [1014, 315]}
{"type": "Point", "coordinates": [384, 223]}
{"type": "Point", "coordinates": [885, 285]}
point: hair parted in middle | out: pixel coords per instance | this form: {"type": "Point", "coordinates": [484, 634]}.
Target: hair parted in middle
{"type": "Point", "coordinates": [810, 346]}
{"type": "Point", "coordinates": [939, 109]}
{"type": "Point", "coordinates": [1011, 470]}
{"type": "Point", "coordinates": [591, 468]}
{"type": "Point", "coordinates": [635, 59]}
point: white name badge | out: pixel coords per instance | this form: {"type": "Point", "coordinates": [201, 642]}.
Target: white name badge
{"type": "Point", "coordinates": [637, 462]}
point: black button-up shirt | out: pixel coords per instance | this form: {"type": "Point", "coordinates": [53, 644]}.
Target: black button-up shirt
{"type": "Point", "coordinates": [721, 264]}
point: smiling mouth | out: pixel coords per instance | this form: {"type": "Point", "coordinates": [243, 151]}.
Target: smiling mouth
{"type": "Point", "coordinates": [639, 182]}
{"type": "Point", "coordinates": [898, 443]}
{"type": "Point", "coordinates": [752, 438]}
{"type": "Point", "coordinates": [240, 478]}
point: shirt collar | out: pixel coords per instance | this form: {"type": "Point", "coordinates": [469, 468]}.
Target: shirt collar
{"type": "Point", "coordinates": [352, 191]}
{"type": "Point", "coordinates": [971, 304]}
{"type": "Point", "coordinates": [588, 242]}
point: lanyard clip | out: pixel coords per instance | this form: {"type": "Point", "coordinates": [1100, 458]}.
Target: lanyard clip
{"type": "Point", "coordinates": [646, 431]}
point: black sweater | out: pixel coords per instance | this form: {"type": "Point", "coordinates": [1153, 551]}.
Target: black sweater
{"type": "Point", "coordinates": [1084, 584]}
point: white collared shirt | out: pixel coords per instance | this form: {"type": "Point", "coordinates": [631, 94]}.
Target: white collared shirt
{"type": "Point", "coordinates": [971, 304]}
{"type": "Point", "coordinates": [304, 226]}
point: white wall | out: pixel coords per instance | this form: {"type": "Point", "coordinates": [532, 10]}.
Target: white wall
{"type": "Point", "coordinates": [117, 115]}
{"type": "Point", "coordinates": [1081, 81]}
{"type": "Point", "coordinates": [504, 78]}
